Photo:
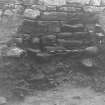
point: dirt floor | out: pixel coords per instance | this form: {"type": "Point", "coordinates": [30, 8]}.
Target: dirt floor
{"type": "Point", "coordinates": [67, 95]}
{"type": "Point", "coordinates": [70, 86]}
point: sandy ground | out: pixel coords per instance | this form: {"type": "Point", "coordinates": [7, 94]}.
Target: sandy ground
{"type": "Point", "coordinates": [65, 95]}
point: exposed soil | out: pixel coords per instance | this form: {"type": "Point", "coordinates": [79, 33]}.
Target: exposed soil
{"type": "Point", "coordinates": [43, 84]}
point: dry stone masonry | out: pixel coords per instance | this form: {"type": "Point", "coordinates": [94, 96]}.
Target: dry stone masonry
{"type": "Point", "coordinates": [58, 30]}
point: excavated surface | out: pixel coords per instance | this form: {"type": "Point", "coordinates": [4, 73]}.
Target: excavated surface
{"type": "Point", "coordinates": [58, 82]}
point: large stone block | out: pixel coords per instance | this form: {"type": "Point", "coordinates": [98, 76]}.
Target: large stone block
{"type": "Point", "coordinates": [32, 14]}
{"type": "Point", "coordinates": [52, 26]}
{"type": "Point", "coordinates": [39, 7]}
{"type": "Point", "coordinates": [48, 40]}
{"type": "Point", "coordinates": [72, 28]}
{"type": "Point", "coordinates": [62, 41]}
{"type": "Point", "coordinates": [71, 20]}
{"type": "Point", "coordinates": [71, 44]}
{"type": "Point", "coordinates": [53, 29]}
{"type": "Point", "coordinates": [31, 27]}
{"type": "Point", "coordinates": [55, 48]}
{"type": "Point", "coordinates": [64, 35]}
{"type": "Point", "coordinates": [36, 40]}
{"type": "Point", "coordinates": [69, 9]}
{"type": "Point", "coordinates": [54, 16]}
{"type": "Point", "coordinates": [81, 35]}
{"type": "Point", "coordinates": [45, 23]}
{"type": "Point", "coordinates": [53, 2]}
{"type": "Point", "coordinates": [75, 15]}
{"type": "Point", "coordinates": [51, 8]}
{"type": "Point", "coordinates": [74, 36]}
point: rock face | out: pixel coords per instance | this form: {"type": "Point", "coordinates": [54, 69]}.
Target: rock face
{"type": "Point", "coordinates": [59, 30]}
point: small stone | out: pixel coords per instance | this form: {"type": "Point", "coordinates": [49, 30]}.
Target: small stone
{"type": "Point", "coordinates": [76, 97]}
{"type": "Point", "coordinates": [92, 49]}
{"type": "Point", "coordinates": [59, 74]}
{"type": "Point", "coordinates": [43, 54]}
{"type": "Point", "coordinates": [3, 100]}
{"type": "Point", "coordinates": [8, 13]}
{"type": "Point", "coordinates": [19, 40]}
{"type": "Point", "coordinates": [30, 13]}
{"type": "Point", "coordinates": [88, 62]}
{"type": "Point", "coordinates": [100, 34]}
{"type": "Point", "coordinates": [38, 76]}
{"type": "Point", "coordinates": [35, 40]}
{"type": "Point", "coordinates": [15, 51]}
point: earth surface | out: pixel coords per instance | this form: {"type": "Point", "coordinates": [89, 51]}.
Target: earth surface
{"type": "Point", "coordinates": [70, 86]}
